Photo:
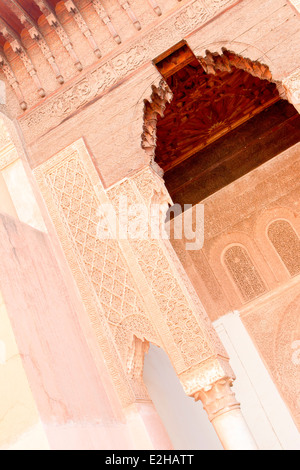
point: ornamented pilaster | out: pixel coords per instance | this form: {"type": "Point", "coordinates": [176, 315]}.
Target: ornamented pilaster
{"type": "Point", "coordinates": [190, 340]}
{"type": "Point", "coordinates": [219, 398]}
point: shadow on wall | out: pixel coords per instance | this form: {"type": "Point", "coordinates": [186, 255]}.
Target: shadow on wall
{"type": "Point", "coordinates": [185, 420]}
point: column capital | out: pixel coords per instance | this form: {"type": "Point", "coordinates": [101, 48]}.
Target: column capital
{"type": "Point", "coordinates": [219, 398]}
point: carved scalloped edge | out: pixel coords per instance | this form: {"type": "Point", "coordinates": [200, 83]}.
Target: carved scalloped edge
{"type": "Point", "coordinates": [154, 107]}
{"type": "Point", "coordinates": [214, 62]}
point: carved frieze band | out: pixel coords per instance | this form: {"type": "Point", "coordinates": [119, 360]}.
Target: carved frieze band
{"type": "Point", "coordinates": [131, 289]}
{"type": "Point", "coordinates": [172, 30]}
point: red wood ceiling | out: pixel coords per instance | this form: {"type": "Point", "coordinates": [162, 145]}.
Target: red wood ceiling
{"type": "Point", "coordinates": [205, 107]}
{"type": "Point", "coordinates": [10, 18]}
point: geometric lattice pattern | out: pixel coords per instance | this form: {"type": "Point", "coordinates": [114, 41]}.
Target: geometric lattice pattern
{"type": "Point", "coordinates": [77, 200]}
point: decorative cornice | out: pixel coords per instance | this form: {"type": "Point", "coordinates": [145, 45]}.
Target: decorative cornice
{"type": "Point", "coordinates": [109, 72]}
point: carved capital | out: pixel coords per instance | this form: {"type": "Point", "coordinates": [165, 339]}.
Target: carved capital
{"type": "Point", "coordinates": [219, 398]}
{"type": "Point", "coordinates": [292, 87]}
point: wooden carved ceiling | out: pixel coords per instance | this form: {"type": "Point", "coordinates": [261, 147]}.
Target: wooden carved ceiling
{"type": "Point", "coordinates": [206, 106]}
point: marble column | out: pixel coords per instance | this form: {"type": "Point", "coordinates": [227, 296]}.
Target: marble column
{"type": "Point", "coordinates": [225, 414]}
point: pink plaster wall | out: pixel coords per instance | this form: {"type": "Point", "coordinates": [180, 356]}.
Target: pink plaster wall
{"type": "Point", "coordinates": [71, 393]}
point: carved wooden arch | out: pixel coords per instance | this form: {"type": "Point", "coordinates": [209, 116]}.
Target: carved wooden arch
{"type": "Point", "coordinates": [154, 107]}
{"type": "Point", "coordinates": [212, 63]}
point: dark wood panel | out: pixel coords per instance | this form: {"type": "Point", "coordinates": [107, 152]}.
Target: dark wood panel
{"type": "Point", "coordinates": [231, 157]}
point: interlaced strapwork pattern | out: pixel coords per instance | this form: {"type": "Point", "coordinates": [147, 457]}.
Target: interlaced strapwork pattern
{"type": "Point", "coordinates": [78, 202]}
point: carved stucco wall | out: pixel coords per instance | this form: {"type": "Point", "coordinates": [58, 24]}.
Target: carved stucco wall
{"type": "Point", "coordinates": [106, 73]}
{"type": "Point", "coordinates": [65, 181]}
{"type": "Point", "coordinates": [258, 215]}
{"type": "Point", "coordinates": [275, 329]}
{"type": "Point", "coordinates": [130, 288]}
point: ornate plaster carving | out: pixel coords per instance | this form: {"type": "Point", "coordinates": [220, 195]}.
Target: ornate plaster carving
{"type": "Point", "coordinates": [186, 319]}
{"type": "Point", "coordinates": [106, 74]}
{"type": "Point", "coordinates": [131, 289]}
{"type": "Point", "coordinates": [10, 76]}
{"type": "Point", "coordinates": [153, 108]}
{"type": "Point", "coordinates": [8, 152]}
{"type": "Point", "coordinates": [292, 87]}
{"type": "Point", "coordinates": [36, 35]}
